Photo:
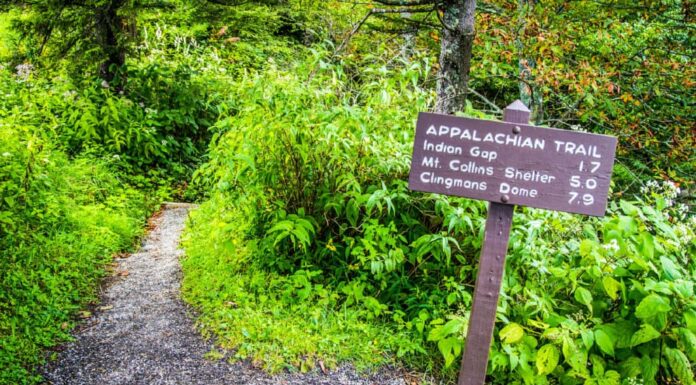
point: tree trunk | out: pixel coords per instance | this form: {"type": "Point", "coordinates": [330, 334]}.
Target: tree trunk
{"type": "Point", "coordinates": [109, 24]}
{"type": "Point", "coordinates": [456, 43]}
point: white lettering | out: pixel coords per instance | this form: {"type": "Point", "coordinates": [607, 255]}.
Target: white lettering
{"type": "Point", "coordinates": [517, 191]}
{"type": "Point", "coordinates": [487, 155]}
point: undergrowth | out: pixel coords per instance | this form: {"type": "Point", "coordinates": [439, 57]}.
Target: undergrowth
{"type": "Point", "coordinates": [60, 222]}
{"type": "Point", "coordinates": [276, 321]}
{"type": "Point", "coordinates": [311, 248]}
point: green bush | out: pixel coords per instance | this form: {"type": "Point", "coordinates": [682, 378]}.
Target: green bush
{"type": "Point", "coordinates": [310, 218]}
{"type": "Point", "coordinates": [60, 222]}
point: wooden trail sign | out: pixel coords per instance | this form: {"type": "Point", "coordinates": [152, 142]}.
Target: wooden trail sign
{"type": "Point", "coordinates": [507, 163]}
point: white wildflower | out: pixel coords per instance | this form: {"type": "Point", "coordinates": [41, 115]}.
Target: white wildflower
{"type": "Point", "coordinates": [683, 208]}
{"type": "Point", "coordinates": [613, 245]}
{"type": "Point", "coordinates": [158, 33]}
{"type": "Point", "coordinates": [24, 71]}
{"type": "Point", "coordinates": [69, 94]}
{"type": "Point", "coordinates": [682, 232]}
{"type": "Point", "coordinates": [6, 154]}
{"type": "Point", "coordinates": [105, 84]}
{"type": "Point", "coordinates": [671, 189]}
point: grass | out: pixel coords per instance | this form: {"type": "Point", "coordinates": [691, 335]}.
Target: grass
{"type": "Point", "coordinates": [277, 322]}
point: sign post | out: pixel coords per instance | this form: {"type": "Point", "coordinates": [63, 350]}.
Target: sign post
{"type": "Point", "coordinates": [507, 163]}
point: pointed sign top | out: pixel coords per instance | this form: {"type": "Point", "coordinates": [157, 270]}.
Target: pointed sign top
{"type": "Point", "coordinates": [516, 112]}
{"type": "Point", "coordinates": [517, 105]}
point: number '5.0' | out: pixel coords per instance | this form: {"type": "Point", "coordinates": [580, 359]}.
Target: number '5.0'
{"type": "Point", "coordinates": [590, 183]}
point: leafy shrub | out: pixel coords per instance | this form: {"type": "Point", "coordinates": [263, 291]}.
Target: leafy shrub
{"type": "Point", "coordinates": [60, 222]}
{"type": "Point", "coordinates": [316, 199]}
{"type": "Point", "coordinates": [166, 131]}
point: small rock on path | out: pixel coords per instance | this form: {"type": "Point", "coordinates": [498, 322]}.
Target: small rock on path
{"type": "Point", "coordinates": [144, 333]}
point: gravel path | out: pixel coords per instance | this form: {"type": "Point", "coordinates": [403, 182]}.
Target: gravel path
{"type": "Point", "coordinates": [142, 333]}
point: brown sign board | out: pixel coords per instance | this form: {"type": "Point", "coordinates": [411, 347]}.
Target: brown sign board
{"type": "Point", "coordinates": [516, 164]}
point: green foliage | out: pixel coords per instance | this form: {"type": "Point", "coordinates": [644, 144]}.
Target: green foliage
{"type": "Point", "coordinates": [310, 249]}
{"type": "Point", "coordinates": [60, 222]}
{"type": "Point", "coordinates": [276, 321]}
{"type": "Point", "coordinates": [6, 41]}
{"type": "Point", "coordinates": [316, 197]}
{"type": "Point", "coordinates": [153, 127]}
{"type": "Point", "coordinates": [620, 67]}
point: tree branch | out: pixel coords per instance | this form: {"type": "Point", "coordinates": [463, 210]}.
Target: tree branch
{"type": "Point", "coordinates": [485, 100]}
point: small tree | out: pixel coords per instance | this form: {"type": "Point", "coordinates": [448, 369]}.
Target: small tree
{"type": "Point", "coordinates": [83, 31]}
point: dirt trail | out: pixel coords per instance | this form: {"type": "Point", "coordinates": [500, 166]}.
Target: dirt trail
{"type": "Point", "coordinates": [144, 334]}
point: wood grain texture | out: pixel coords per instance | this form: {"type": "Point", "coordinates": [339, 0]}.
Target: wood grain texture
{"type": "Point", "coordinates": [489, 278]}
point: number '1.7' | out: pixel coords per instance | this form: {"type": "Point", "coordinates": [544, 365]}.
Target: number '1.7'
{"type": "Point", "coordinates": [595, 166]}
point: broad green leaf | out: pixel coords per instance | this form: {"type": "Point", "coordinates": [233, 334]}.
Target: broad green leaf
{"type": "Point", "coordinates": [611, 286]}
{"type": "Point", "coordinates": [576, 358]}
{"type": "Point", "coordinates": [512, 333]}
{"type": "Point", "coordinates": [598, 365]}
{"type": "Point", "coordinates": [547, 359]}
{"type": "Point", "coordinates": [450, 348]}
{"type": "Point", "coordinates": [628, 208]}
{"type": "Point", "coordinates": [512, 355]}
{"type": "Point", "coordinates": [622, 332]}
{"type": "Point", "coordinates": [584, 297]}
{"type": "Point", "coordinates": [690, 319]}
{"type": "Point", "coordinates": [604, 342]}
{"type": "Point", "coordinates": [649, 367]}
{"type": "Point", "coordinates": [587, 246]}
{"type": "Point", "coordinates": [631, 367]}
{"type": "Point", "coordinates": [684, 288]}
{"type": "Point", "coordinates": [666, 229]}
{"type": "Point", "coordinates": [587, 338]}
{"type": "Point", "coordinates": [646, 246]}
{"type": "Point", "coordinates": [651, 305]}
{"type": "Point", "coordinates": [670, 269]}
{"type": "Point", "coordinates": [627, 225]}
{"type": "Point", "coordinates": [609, 378]}
{"type": "Point", "coordinates": [352, 212]}
{"type": "Point", "coordinates": [688, 340]}
{"type": "Point", "coordinates": [453, 326]}
{"type": "Point", "coordinates": [680, 365]}
{"type": "Point", "coordinates": [644, 334]}
{"type": "Point", "coordinates": [552, 333]}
